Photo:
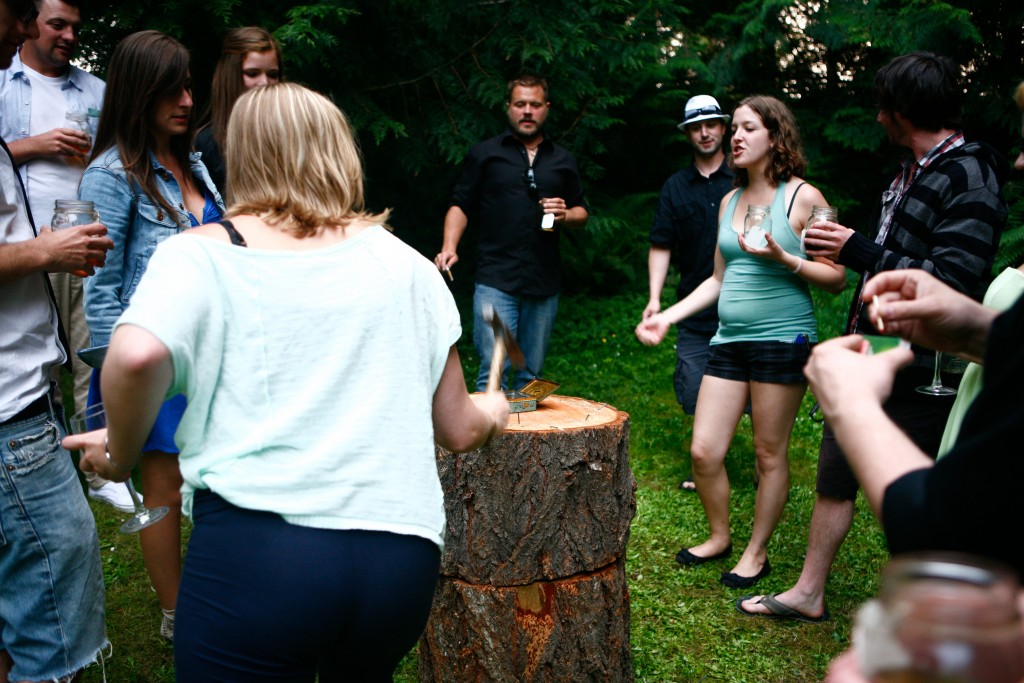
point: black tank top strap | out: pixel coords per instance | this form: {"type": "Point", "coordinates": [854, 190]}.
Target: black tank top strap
{"type": "Point", "coordinates": [233, 234]}
{"type": "Point", "coordinates": [792, 200]}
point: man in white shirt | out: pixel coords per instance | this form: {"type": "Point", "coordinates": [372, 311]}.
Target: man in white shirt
{"type": "Point", "coordinates": [51, 580]}
{"type": "Point", "coordinates": [38, 94]}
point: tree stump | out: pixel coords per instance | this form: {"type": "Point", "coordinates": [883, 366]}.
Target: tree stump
{"type": "Point", "coordinates": [533, 581]}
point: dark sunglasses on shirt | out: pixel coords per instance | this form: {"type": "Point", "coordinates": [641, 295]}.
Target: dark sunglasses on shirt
{"type": "Point", "coordinates": [531, 183]}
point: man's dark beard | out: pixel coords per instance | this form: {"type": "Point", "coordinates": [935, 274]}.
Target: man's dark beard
{"type": "Point", "coordinates": [528, 137]}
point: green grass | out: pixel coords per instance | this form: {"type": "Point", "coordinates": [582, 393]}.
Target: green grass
{"type": "Point", "coordinates": [684, 626]}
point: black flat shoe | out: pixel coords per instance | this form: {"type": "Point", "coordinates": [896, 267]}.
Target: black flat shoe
{"type": "Point", "coordinates": [731, 580]}
{"type": "Point", "coordinates": [688, 559]}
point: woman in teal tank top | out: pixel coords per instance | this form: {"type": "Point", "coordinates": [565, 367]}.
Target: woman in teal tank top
{"type": "Point", "coordinates": [765, 331]}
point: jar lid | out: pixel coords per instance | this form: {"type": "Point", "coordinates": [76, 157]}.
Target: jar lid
{"type": "Point", "coordinates": [964, 568]}
{"type": "Point", "coordinates": [74, 205]}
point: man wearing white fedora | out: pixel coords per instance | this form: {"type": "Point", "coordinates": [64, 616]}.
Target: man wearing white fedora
{"type": "Point", "coordinates": [684, 233]}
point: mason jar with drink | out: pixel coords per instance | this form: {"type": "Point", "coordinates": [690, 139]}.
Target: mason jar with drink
{"type": "Point", "coordinates": [818, 213]}
{"type": "Point", "coordinates": [756, 224]}
{"type": "Point", "coordinates": [68, 213]}
{"type": "Point", "coordinates": [79, 120]}
{"type": "Point", "coordinates": [942, 617]}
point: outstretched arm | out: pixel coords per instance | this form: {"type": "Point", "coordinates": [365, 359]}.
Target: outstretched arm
{"type": "Point", "coordinates": [463, 422]}
{"type": "Point", "coordinates": [137, 373]}
{"type": "Point", "coordinates": [653, 329]}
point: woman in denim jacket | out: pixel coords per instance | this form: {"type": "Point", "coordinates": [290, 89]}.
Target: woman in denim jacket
{"type": "Point", "coordinates": [147, 186]}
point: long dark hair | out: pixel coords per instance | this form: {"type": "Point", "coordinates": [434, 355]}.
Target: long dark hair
{"type": "Point", "coordinates": [786, 157]}
{"type": "Point", "coordinates": [228, 84]}
{"type": "Point", "coordinates": [145, 67]}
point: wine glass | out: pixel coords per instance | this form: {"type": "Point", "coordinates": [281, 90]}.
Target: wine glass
{"type": "Point", "coordinates": [94, 417]}
{"type": "Point", "coordinates": [936, 388]}
{"type": "Point", "coordinates": [756, 224]}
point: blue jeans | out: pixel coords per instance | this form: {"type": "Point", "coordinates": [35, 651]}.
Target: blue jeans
{"type": "Point", "coordinates": [51, 581]}
{"type": "Point", "coordinates": [530, 320]}
{"type": "Point", "coordinates": [264, 600]}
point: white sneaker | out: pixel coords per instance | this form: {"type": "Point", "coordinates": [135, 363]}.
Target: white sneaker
{"type": "Point", "coordinates": [167, 624]}
{"type": "Point", "coordinates": [115, 494]}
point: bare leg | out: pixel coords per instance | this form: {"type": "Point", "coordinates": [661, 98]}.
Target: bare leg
{"type": "Point", "coordinates": [774, 409]}
{"type": "Point", "coordinates": [830, 523]}
{"type": "Point", "coordinates": [720, 404]}
{"type": "Point", "coordinates": [161, 543]}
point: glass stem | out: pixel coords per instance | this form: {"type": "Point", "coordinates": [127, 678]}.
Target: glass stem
{"type": "Point", "coordinates": [937, 378]}
{"type": "Point", "coordinates": [134, 495]}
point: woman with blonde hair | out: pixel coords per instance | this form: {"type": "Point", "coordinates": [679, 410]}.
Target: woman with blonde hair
{"type": "Point", "coordinates": [766, 329]}
{"type": "Point", "coordinates": [317, 352]}
{"type": "Point", "coordinates": [251, 57]}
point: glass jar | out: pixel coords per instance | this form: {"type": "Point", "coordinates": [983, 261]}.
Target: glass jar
{"type": "Point", "coordinates": [942, 617]}
{"type": "Point", "coordinates": [79, 120]}
{"type": "Point", "coordinates": [818, 213]}
{"type": "Point", "coordinates": [756, 224]}
{"type": "Point", "coordinates": [68, 213]}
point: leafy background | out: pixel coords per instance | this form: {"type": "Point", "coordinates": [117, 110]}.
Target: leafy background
{"type": "Point", "coordinates": [424, 80]}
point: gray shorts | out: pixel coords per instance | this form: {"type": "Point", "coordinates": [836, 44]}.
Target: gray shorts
{"type": "Point", "coordinates": [691, 360]}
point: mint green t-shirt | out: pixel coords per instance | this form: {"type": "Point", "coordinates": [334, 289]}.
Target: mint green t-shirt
{"type": "Point", "coordinates": [309, 375]}
{"type": "Point", "coordinates": [760, 299]}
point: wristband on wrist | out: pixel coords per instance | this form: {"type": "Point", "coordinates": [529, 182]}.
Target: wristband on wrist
{"type": "Point", "coordinates": [799, 265]}
{"type": "Point", "coordinates": [106, 449]}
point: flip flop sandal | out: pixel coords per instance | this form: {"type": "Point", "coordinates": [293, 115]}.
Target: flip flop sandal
{"type": "Point", "coordinates": [778, 610]}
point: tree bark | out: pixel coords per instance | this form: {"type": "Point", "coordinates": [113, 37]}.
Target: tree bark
{"type": "Point", "coordinates": [532, 576]}
{"type": "Point", "coordinates": [572, 630]}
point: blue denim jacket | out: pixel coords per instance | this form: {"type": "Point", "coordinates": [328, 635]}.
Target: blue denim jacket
{"type": "Point", "coordinates": [136, 225]}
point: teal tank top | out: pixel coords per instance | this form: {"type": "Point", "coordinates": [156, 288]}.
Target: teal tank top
{"type": "Point", "coordinates": [760, 299]}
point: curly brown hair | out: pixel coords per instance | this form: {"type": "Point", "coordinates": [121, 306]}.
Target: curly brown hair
{"type": "Point", "coordinates": [786, 158]}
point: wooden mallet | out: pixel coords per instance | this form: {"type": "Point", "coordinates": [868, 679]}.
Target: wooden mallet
{"type": "Point", "coordinates": [504, 343]}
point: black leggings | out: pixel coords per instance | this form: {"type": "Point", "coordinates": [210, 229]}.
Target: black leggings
{"type": "Point", "coordinates": [265, 600]}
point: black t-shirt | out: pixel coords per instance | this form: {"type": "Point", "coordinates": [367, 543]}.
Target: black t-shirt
{"type": "Point", "coordinates": [687, 223]}
{"type": "Point", "coordinates": [513, 253]}
{"type": "Point", "coordinates": [212, 159]}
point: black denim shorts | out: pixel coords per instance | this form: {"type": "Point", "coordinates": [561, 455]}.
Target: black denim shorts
{"type": "Point", "coordinates": [768, 361]}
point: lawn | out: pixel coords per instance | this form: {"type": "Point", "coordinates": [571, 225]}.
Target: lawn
{"type": "Point", "coordinates": [684, 625]}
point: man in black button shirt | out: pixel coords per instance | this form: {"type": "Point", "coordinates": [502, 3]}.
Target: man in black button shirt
{"type": "Point", "coordinates": [518, 190]}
